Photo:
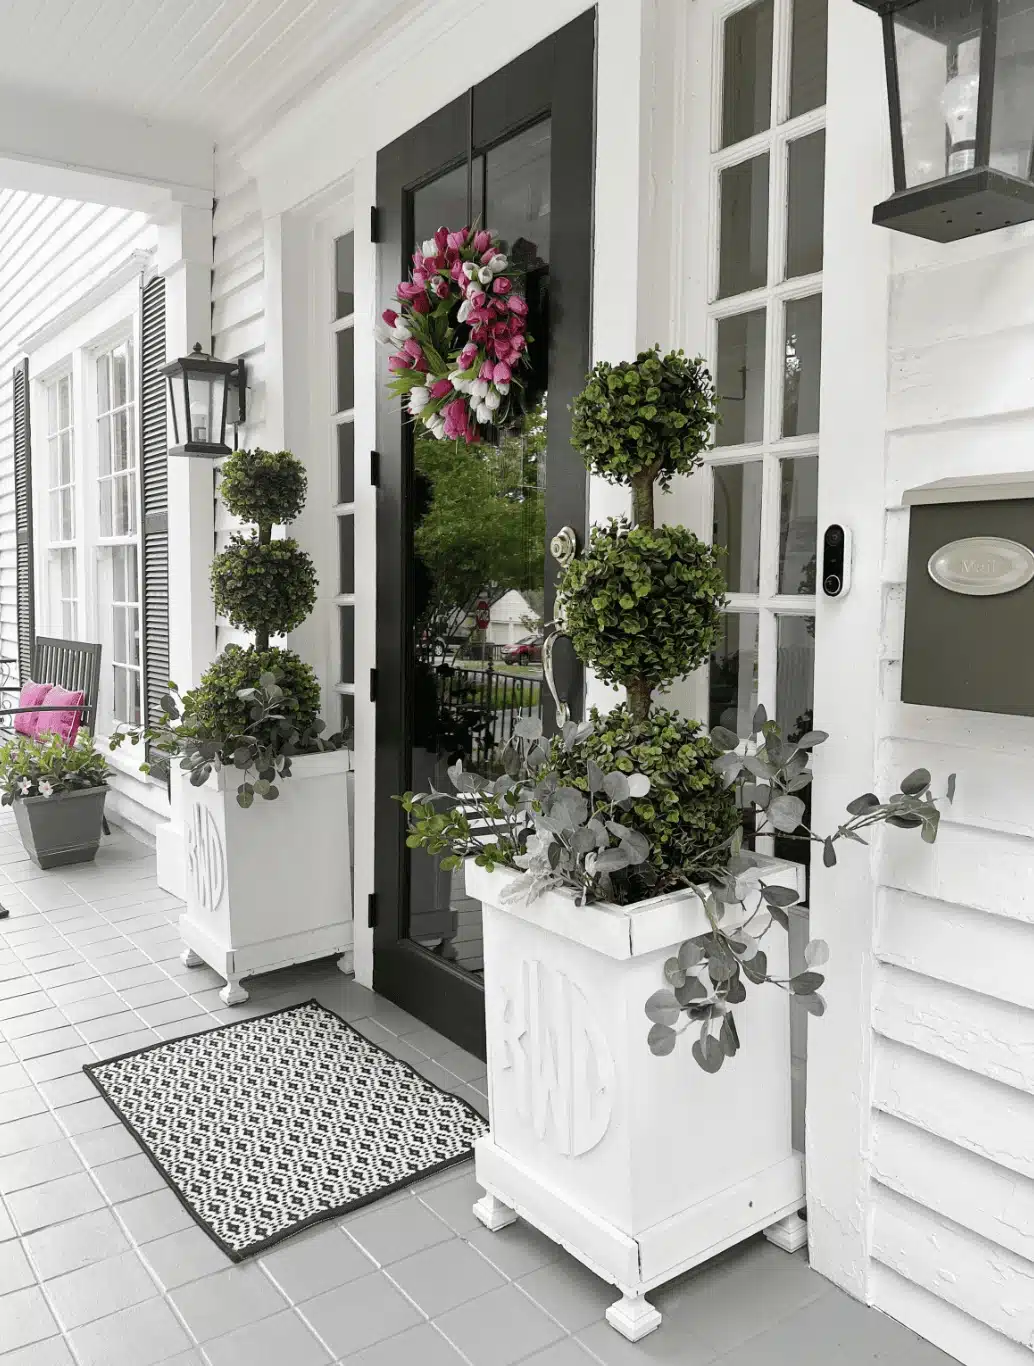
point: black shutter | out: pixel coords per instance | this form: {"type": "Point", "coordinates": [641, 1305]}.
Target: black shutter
{"type": "Point", "coordinates": [154, 502]}
{"type": "Point", "coordinates": [25, 568]}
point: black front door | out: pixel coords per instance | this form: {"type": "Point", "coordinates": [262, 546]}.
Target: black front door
{"type": "Point", "coordinates": [463, 531]}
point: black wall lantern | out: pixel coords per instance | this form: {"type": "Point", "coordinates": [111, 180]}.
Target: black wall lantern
{"type": "Point", "coordinates": [200, 390]}
{"type": "Point", "coordinates": [960, 82]}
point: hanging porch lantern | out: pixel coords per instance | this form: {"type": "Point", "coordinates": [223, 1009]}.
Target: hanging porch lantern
{"type": "Point", "coordinates": [200, 391]}
{"type": "Point", "coordinates": [960, 85]}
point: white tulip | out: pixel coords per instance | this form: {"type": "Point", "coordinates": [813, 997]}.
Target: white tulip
{"type": "Point", "coordinates": [383, 333]}
{"type": "Point", "coordinates": [503, 388]}
{"type": "Point", "coordinates": [485, 275]}
{"type": "Point", "coordinates": [492, 400]}
{"type": "Point", "coordinates": [437, 427]}
{"type": "Point", "coordinates": [464, 312]}
{"type": "Point", "coordinates": [483, 413]}
{"type": "Point", "coordinates": [498, 263]}
{"type": "Point", "coordinates": [419, 398]}
{"type": "Point", "coordinates": [430, 247]}
{"type": "Point", "coordinates": [400, 333]}
{"type": "Point", "coordinates": [479, 388]}
{"type": "Point", "coordinates": [469, 269]}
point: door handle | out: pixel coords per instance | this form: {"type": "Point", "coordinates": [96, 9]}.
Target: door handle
{"type": "Point", "coordinates": [563, 547]}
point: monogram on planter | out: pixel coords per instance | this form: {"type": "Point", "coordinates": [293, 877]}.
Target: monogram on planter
{"type": "Point", "coordinates": [265, 788]}
{"type": "Point", "coordinates": [633, 891]}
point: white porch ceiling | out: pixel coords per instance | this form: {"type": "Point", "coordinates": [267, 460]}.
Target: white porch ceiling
{"type": "Point", "coordinates": [221, 67]}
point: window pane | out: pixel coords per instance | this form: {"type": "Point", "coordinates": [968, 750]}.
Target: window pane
{"type": "Point", "coordinates": [121, 388]}
{"type": "Point", "coordinates": [795, 674]}
{"type": "Point", "coordinates": [733, 683]}
{"type": "Point", "coordinates": [104, 404]}
{"type": "Point", "coordinates": [344, 275]}
{"type": "Point", "coordinates": [53, 423]}
{"type": "Point", "coordinates": [346, 549]}
{"type": "Point", "coordinates": [65, 457]}
{"type": "Point", "coordinates": [121, 453]}
{"type": "Point", "coordinates": [737, 523]}
{"type": "Point", "coordinates": [517, 197]}
{"type": "Point", "coordinates": [798, 516]}
{"type": "Point", "coordinates": [345, 369]}
{"type": "Point", "coordinates": [743, 246]}
{"type": "Point", "coordinates": [801, 366]}
{"type": "Point", "coordinates": [806, 179]}
{"type": "Point", "coordinates": [938, 54]}
{"type": "Point", "coordinates": [807, 56]}
{"type": "Point", "coordinates": [347, 714]}
{"type": "Point", "coordinates": [1012, 112]}
{"type": "Point", "coordinates": [747, 75]}
{"type": "Point", "coordinates": [104, 445]}
{"type": "Point", "coordinates": [740, 378]}
{"type": "Point", "coordinates": [345, 463]}
{"type": "Point", "coordinates": [347, 619]}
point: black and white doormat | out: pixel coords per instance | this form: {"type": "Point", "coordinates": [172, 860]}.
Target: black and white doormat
{"type": "Point", "coordinates": [265, 1126]}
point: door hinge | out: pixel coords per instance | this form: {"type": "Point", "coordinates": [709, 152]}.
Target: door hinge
{"type": "Point", "coordinates": [375, 223]}
{"type": "Point", "coordinates": [373, 685]}
{"type": "Point", "coordinates": [375, 469]}
{"type": "Point", "coordinates": [371, 911]}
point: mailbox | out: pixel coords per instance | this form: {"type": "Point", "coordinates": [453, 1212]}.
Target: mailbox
{"type": "Point", "coordinates": [969, 597]}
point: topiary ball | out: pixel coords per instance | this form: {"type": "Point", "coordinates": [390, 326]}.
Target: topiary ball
{"type": "Point", "coordinates": [688, 816]}
{"type": "Point", "coordinates": [269, 587]}
{"type": "Point", "coordinates": [213, 709]}
{"type": "Point", "coordinates": [267, 487]}
{"type": "Point", "coordinates": [643, 604]}
{"type": "Point", "coordinates": [655, 411]}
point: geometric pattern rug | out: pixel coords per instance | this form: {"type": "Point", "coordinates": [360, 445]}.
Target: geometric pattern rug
{"type": "Point", "coordinates": [264, 1127]}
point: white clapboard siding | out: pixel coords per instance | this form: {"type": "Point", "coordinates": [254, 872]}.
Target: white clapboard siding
{"type": "Point", "coordinates": [975, 1031]}
{"type": "Point", "coordinates": [994, 1121]}
{"type": "Point", "coordinates": [984, 953]}
{"type": "Point", "coordinates": [51, 252]}
{"type": "Point", "coordinates": [967, 1189]}
{"type": "Point", "coordinates": [987, 869]}
{"type": "Point", "coordinates": [963, 1338]}
{"type": "Point", "coordinates": [984, 1280]}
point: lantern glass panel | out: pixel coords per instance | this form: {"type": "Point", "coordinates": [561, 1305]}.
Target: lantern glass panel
{"type": "Point", "coordinates": [206, 407]}
{"type": "Point", "coordinates": [178, 394]}
{"type": "Point", "coordinates": [938, 56]}
{"type": "Point", "coordinates": [1012, 108]}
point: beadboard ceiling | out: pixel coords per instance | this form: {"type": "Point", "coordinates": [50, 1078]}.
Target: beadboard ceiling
{"type": "Point", "coordinates": [218, 66]}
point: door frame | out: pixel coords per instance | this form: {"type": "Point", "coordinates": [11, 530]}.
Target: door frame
{"type": "Point", "coordinates": [556, 78]}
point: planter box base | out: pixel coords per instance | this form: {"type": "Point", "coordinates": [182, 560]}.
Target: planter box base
{"type": "Point", "coordinates": [769, 1200]}
{"type": "Point", "coordinates": [265, 957]}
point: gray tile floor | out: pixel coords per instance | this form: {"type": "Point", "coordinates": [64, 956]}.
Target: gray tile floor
{"type": "Point", "coordinates": [100, 1265]}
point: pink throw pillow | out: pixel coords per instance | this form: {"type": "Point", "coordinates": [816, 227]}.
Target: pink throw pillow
{"type": "Point", "coordinates": [31, 695]}
{"type": "Point", "coordinates": [64, 723]}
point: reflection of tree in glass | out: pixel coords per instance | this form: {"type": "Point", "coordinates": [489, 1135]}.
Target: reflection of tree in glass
{"type": "Point", "coordinates": [483, 529]}
{"type": "Point", "coordinates": [791, 385]}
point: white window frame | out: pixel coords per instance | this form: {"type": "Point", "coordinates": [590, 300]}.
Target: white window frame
{"type": "Point", "coordinates": [52, 547]}
{"type": "Point", "coordinates": [74, 349]}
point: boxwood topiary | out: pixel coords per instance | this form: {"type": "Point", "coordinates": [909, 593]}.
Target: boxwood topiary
{"type": "Point", "coordinates": [651, 416]}
{"type": "Point", "coordinates": [213, 709]}
{"type": "Point", "coordinates": [643, 606]}
{"type": "Point", "coordinates": [266, 587]}
{"type": "Point", "coordinates": [688, 816]}
{"type": "Point", "coordinates": [266, 487]}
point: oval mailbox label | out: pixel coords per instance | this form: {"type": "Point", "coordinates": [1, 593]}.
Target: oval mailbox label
{"type": "Point", "coordinates": [982, 566]}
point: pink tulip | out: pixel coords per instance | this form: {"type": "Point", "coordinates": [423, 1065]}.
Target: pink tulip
{"type": "Point", "coordinates": [479, 334]}
{"type": "Point", "coordinates": [488, 255]}
{"type": "Point", "coordinates": [458, 239]}
{"type": "Point", "coordinates": [467, 356]}
{"type": "Point", "coordinates": [501, 284]}
{"type": "Point", "coordinates": [399, 362]}
{"type": "Point", "coordinates": [390, 317]}
{"type": "Point", "coordinates": [440, 287]}
{"type": "Point", "coordinates": [486, 371]}
{"type": "Point", "coordinates": [518, 343]}
{"type": "Point", "coordinates": [482, 241]}
{"type": "Point", "coordinates": [477, 298]}
{"type": "Point", "coordinates": [418, 258]}
{"type": "Point", "coordinates": [442, 238]}
{"type": "Point", "coordinates": [412, 348]}
{"type": "Point", "coordinates": [421, 366]}
{"type": "Point", "coordinates": [502, 374]}
{"type": "Point", "coordinates": [421, 304]}
{"type": "Point", "coordinates": [517, 305]}
{"type": "Point", "coordinates": [408, 290]}
{"type": "Point", "coordinates": [441, 387]}
{"type": "Point", "coordinates": [420, 278]}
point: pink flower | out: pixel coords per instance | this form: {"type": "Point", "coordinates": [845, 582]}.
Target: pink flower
{"type": "Point", "coordinates": [501, 373]}
{"type": "Point", "coordinates": [440, 388]}
{"type": "Point", "coordinates": [440, 287]}
{"type": "Point", "coordinates": [486, 371]}
{"type": "Point", "coordinates": [500, 330]}
{"type": "Point", "coordinates": [476, 297]}
{"type": "Point", "coordinates": [399, 362]}
{"type": "Point", "coordinates": [458, 239]}
{"type": "Point", "coordinates": [418, 258]}
{"type": "Point", "coordinates": [488, 255]}
{"type": "Point", "coordinates": [408, 290]}
{"type": "Point", "coordinates": [420, 278]}
{"type": "Point", "coordinates": [442, 238]}
{"type": "Point", "coordinates": [501, 284]}
{"type": "Point", "coordinates": [390, 317]}
{"type": "Point", "coordinates": [421, 303]}
{"type": "Point", "coordinates": [517, 305]}
{"type": "Point", "coordinates": [421, 366]}
{"type": "Point", "coordinates": [413, 348]}
{"type": "Point", "coordinates": [479, 334]}
{"type": "Point", "coordinates": [467, 356]}
{"type": "Point", "coordinates": [482, 241]}
{"type": "Point", "coordinates": [518, 343]}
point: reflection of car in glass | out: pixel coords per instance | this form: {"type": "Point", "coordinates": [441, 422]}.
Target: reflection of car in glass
{"type": "Point", "coordinates": [525, 651]}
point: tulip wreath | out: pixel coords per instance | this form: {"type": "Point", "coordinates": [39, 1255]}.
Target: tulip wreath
{"type": "Point", "coordinates": [460, 334]}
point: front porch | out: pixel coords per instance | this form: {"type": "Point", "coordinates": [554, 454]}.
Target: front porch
{"type": "Point", "coordinates": [101, 1266]}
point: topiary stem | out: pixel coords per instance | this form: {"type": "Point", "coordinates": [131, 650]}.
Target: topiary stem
{"type": "Point", "coordinates": [639, 690]}
{"type": "Point", "coordinates": [265, 536]}
{"type": "Point", "coordinates": [642, 496]}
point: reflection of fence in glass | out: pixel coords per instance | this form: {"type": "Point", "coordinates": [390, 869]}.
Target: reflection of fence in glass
{"type": "Point", "coordinates": [481, 706]}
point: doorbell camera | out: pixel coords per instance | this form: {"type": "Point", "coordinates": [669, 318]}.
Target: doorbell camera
{"type": "Point", "coordinates": [836, 561]}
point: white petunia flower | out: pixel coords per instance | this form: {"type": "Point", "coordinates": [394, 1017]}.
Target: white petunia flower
{"type": "Point", "coordinates": [46, 788]}
{"type": "Point", "coordinates": [25, 786]}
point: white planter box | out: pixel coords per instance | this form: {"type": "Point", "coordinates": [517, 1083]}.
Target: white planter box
{"type": "Point", "coordinates": [640, 1166]}
{"type": "Point", "coordinates": [269, 886]}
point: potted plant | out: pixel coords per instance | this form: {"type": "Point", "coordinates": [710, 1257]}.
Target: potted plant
{"type": "Point", "coordinates": [268, 880]}
{"type": "Point", "coordinates": [636, 914]}
{"type": "Point", "coordinates": [57, 791]}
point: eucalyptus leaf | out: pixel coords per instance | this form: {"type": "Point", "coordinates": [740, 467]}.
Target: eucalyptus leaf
{"type": "Point", "coordinates": [785, 812]}
{"type": "Point", "coordinates": [829, 853]}
{"type": "Point", "coordinates": [724, 739]}
{"type": "Point", "coordinates": [662, 1039]}
{"type": "Point", "coordinates": [691, 955]}
{"type": "Point", "coordinates": [812, 738]}
{"type": "Point", "coordinates": [759, 721]}
{"type": "Point", "coordinates": [662, 1007]}
{"type": "Point", "coordinates": [709, 1053]}
{"type": "Point", "coordinates": [674, 972]}
{"type": "Point", "coordinates": [806, 982]}
{"type": "Point", "coordinates": [817, 953]}
{"type": "Point", "coordinates": [813, 1003]}
{"type": "Point", "coordinates": [916, 782]}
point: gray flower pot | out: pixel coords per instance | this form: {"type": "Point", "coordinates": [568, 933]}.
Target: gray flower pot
{"type": "Point", "coordinates": [64, 828]}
